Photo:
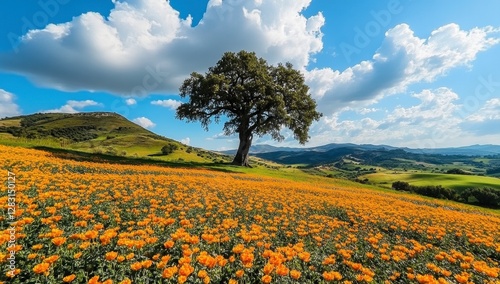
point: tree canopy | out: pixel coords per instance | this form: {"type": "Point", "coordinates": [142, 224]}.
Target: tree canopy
{"type": "Point", "coordinates": [256, 99]}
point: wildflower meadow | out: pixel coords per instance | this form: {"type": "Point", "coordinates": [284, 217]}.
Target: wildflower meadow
{"type": "Point", "coordinates": [68, 221]}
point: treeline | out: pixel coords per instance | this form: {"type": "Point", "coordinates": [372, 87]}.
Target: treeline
{"type": "Point", "coordinates": [493, 171]}
{"type": "Point", "coordinates": [31, 120]}
{"type": "Point", "coordinates": [75, 133]}
{"type": "Point", "coordinates": [485, 196]}
{"type": "Point", "coordinates": [435, 191]}
{"type": "Point", "coordinates": [14, 130]}
{"type": "Point", "coordinates": [169, 148]}
{"type": "Point", "coordinates": [458, 172]}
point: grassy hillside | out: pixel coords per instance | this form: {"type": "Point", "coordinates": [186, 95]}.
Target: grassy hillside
{"type": "Point", "coordinates": [397, 159]}
{"type": "Point", "coordinates": [99, 133]}
{"type": "Point", "coordinates": [111, 137]}
{"type": "Point", "coordinates": [457, 182]}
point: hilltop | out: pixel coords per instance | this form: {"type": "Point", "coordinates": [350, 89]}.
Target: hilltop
{"type": "Point", "coordinates": [98, 133]}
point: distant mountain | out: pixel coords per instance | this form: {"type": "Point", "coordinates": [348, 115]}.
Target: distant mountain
{"type": "Point", "coordinates": [473, 150]}
{"type": "Point", "coordinates": [264, 148]}
{"type": "Point", "coordinates": [376, 155]}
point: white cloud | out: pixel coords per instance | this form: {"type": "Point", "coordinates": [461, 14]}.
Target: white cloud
{"type": "Point", "coordinates": [186, 141]}
{"type": "Point", "coordinates": [130, 102]}
{"type": "Point", "coordinates": [489, 111]}
{"type": "Point", "coordinates": [74, 106]}
{"type": "Point", "coordinates": [7, 106]}
{"type": "Point", "coordinates": [433, 122]}
{"type": "Point", "coordinates": [403, 59]}
{"type": "Point", "coordinates": [144, 122]}
{"type": "Point", "coordinates": [145, 47]}
{"type": "Point", "coordinates": [485, 120]}
{"type": "Point", "coordinates": [365, 110]}
{"type": "Point", "coordinates": [172, 104]}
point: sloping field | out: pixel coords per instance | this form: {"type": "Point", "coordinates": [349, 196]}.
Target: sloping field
{"type": "Point", "coordinates": [89, 222]}
{"type": "Point", "coordinates": [457, 182]}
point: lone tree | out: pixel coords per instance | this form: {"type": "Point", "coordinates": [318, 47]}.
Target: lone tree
{"type": "Point", "coordinates": [256, 98]}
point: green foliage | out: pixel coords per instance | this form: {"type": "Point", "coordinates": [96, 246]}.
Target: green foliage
{"type": "Point", "coordinates": [493, 171]}
{"type": "Point", "coordinates": [32, 120]}
{"type": "Point", "coordinates": [255, 99]}
{"type": "Point", "coordinates": [485, 196]}
{"type": "Point", "coordinates": [111, 151]}
{"type": "Point", "coordinates": [14, 130]}
{"type": "Point", "coordinates": [428, 190]}
{"type": "Point", "coordinates": [169, 148]}
{"type": "Point", "coordinates": [75, 133]}
{"type": "Point", "coordinates": [401, 186]}
{"type": "Point", "coordinates": [436, 192]}
{"type": "Point", "coordinates": [253, 95]}
{"type": "Point", "coordinates": [457, 172]}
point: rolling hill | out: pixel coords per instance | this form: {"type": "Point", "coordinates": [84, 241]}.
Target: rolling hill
{"type": "Point", "coordinates": [350, 160]}
{"type": "Point", "coordinates": [472, 150]}
{"type": "Point", "coordinates": [99, 133]}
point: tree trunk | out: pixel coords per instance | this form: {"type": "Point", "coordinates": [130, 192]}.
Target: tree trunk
{"type": "Point", "coordinates": [241, 158]}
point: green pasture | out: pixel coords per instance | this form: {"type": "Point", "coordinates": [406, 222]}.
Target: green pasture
{"type": "Point", "coordinates": [457, 182]}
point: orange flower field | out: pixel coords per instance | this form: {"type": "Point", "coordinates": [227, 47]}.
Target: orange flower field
{"type": "Point", "coordinates": [86, 222]}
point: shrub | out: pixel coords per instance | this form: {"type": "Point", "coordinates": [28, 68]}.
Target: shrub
{"type": "Point", "coordinates": [111, 151]}
{"type": "Point", "coordinates": [485, 196]}
{"type": "Point", "coordinates": [429, 190]}
{"type": "Point", "coordinates": [75, 133]}
{"type": "Point", "coordinates": [169, 149]}
{"type": "Point", "coordinates": [435, 191]}
{"type": "Point", "coordinates": [401, 186]}
{"type": "Point", "coordinates": [457, 172]}
{"type": "Point", "coordinates": [493, 171]}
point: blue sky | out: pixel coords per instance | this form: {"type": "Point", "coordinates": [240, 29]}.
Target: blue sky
{"type": "Point", "coordinates": [421, 74]}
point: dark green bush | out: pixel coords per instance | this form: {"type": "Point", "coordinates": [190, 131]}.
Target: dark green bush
{"type": "Point", "coordinates": [485, 196]}
{"type": "Point", "coordinates": [429, 190]}
{"type": "Point", "coordinates": [401, 186]}
{"type": "Point", "coordinates": [169, 148]}
{"type": "Point", "coordinates": [457, 172]}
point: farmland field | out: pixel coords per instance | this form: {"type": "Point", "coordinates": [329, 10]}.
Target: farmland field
{"type": "Point", "coordinates": [457, 182]}
{"type": "Point", "coordinates": [93, 222]}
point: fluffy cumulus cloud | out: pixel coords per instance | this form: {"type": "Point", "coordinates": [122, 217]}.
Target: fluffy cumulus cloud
{"type": "Point", "coordinates": [186, 141]}
{"type": "Point", "coordinates": [432, 122]}
{"type": "Point", "coordinates": [402, 59]}
{"type": "Point", "coordinates": [485, 120]}
{"type": "Point", "coordinates": [143, 46]}
{"type": "Point", "coordinates": [74, 106]}
{"type": "Point", "coordinates": [8, 107]}
{"type": "Point", "coordinates": [130, 102]}
{"type": "Point", "coordinates": [144, 122]}
{"type": "Point", "coordinates": [171, 104]}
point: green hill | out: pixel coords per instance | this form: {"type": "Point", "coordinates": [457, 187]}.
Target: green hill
{"type": "Point", "coordinates": [99, 133]}
{"type": "Point", "coordinates": [110, 137]}
{"type": "Point", "coordinates": [453, 181]}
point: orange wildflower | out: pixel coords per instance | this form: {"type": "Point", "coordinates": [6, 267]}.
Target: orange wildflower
{"type": "Point", "coordinates": [58, 241]}
{"type": "Point", "coordinates": [111, 255]}
{"type": "Point", "coordinates": [266, 279]}
{"type": "Point", "coordinates": [41, 268]}
{"type": "Point", "coordinates": [69, 278]}
{"type": "Point", "coordinates": [295, 274]}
